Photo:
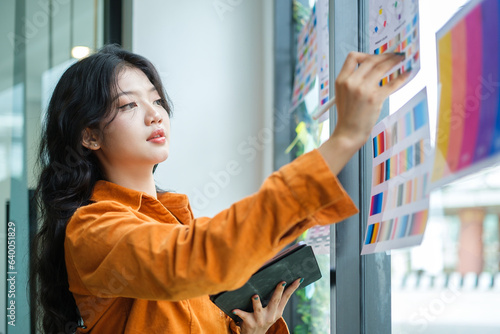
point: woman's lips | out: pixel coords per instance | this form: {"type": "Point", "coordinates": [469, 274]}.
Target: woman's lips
{"type": "Point", "coordinates": [158, 137]}
{"type": "Point", "coordinates": [157, 140]}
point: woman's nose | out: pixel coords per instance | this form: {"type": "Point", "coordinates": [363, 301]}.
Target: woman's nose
{"type": "Point", "coordinates": [153, 116]}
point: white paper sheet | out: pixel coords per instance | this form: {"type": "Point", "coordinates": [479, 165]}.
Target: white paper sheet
{"type": "Point", "coordinates": [394, 27]}
{"type": "Point", "coordinates": [399, 199]}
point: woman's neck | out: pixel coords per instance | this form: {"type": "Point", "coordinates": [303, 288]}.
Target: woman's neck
{"type": "Point", "coordinates": [138, 180]}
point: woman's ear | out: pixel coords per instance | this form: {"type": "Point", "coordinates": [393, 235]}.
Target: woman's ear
{"type": "Point", "coordinates": [90, 139]}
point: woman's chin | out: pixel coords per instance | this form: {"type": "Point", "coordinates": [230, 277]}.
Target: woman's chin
{"type": "Point", "coordinates": [162, 158]}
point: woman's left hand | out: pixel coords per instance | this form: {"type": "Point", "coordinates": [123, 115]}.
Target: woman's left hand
{"type": "Point", "coordinates": [263, 318]}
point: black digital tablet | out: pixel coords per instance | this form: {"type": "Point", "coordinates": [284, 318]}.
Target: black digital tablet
{"type": "Point", "coordinates": [297, 261]}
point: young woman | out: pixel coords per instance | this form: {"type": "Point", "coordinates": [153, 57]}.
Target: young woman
{"type": "Point", "coordinates": [114, 255]}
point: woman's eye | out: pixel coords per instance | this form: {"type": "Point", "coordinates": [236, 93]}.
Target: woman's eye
{"type": "Point", "coordinates": [128, 106]}
{"type": "Point", "coordinates": [158, 102]}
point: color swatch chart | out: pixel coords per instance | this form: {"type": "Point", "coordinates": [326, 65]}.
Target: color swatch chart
{"type": "Point", "coordinates": [399, 199]}
{"type": "Point", "coordinates": [323, 52]}
{"type": "Point", "coordinates": [313, 57]}
{"type": "Point", "coordinates": [306, 68]}
{"type": "Point", "coordinates": [397, 228]}
{"type": "Point", "coordinates": [468, 131]}
{"type": "Point", "coordinates": [394, 27]}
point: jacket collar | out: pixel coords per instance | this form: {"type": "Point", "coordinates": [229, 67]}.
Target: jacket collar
{"type": "Point", "coordinates": [108, 191]}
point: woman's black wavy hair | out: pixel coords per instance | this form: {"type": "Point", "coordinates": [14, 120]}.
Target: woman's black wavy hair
{"type": "Point", "coordinates": [82, 99]}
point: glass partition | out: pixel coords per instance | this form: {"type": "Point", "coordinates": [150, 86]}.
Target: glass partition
{"type": "Point", "coordinates": [296, 133]}
{"type": "Point", "coordinates": [39, 44]}
{"type": "Point", "coordinates": [451, 283]}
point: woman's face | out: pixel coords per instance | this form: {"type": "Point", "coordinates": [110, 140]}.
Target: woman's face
{"type": "Point", "coordinates": [139, 134]}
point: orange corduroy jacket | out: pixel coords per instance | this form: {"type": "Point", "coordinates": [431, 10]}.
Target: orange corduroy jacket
{"type": "Point", "coordinates": [137, 264]}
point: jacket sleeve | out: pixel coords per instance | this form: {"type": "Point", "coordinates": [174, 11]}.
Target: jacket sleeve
{"type": "Point", "coordinates": [115, 253]}
{"type": "Point", "coordinates": [279, 327]}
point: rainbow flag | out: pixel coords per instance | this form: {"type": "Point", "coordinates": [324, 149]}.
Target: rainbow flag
{"type": "Point", "coordinates": [468, 131]}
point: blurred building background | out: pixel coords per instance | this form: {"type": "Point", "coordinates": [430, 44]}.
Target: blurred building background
{"type": "Point", "coordinates": [451, 283]}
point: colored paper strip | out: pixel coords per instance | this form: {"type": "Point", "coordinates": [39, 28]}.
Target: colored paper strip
{"type": "Point", "coordinates": [395, 229]}
{"type": "Point", "coordinates": [419, 115]}
{"type": "Point", "coordinates": [403, 224]}
{"type": "Point", "coordinates": [376, 204]}
{"type": "Point", "coordinates": [472, 102]}
{"type": "Point", "coordinates": [496, 93]}
{"type": "Point", "coordinates": [375, 233]}
{"type": "Point", "coordinates": [388, 169]}
{"type": "Point", "coordinates": [490, 69]}
{"type": "Point", "coordinates": [379, 174]}
{"type": "Point", "coordinates": [443, 128]}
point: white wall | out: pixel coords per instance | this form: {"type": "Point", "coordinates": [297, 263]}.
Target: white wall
{"type": "Point", "coordinates": [215, 58]}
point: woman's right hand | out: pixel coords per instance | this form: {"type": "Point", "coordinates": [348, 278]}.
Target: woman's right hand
{"type": "Point", "coordinates": [359, 99]}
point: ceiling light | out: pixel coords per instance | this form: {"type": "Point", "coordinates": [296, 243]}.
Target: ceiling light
{"type": "Point", "coordinates": [80, 52]}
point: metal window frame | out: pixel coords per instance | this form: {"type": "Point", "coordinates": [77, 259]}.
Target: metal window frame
{"type": "Point", "coordinates": [361, 285]}
{"type": "Point", "coordinates": [113, 21]}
